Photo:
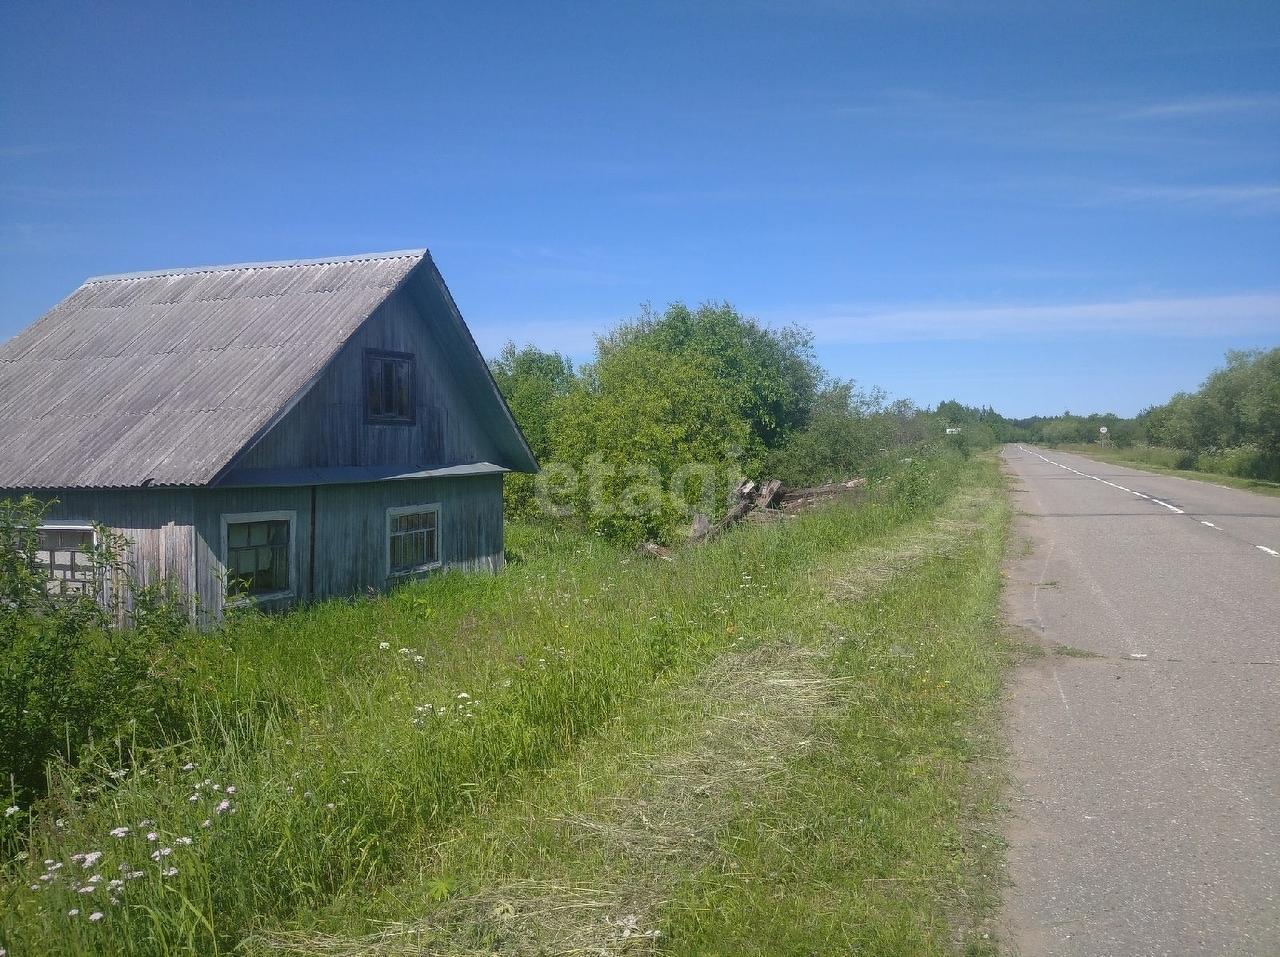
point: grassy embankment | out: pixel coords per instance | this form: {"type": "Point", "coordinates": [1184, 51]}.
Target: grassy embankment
{"type": "Point", "coordinates": [1156, 459]}
{"type": "Point", "coordinates": [782, 742]}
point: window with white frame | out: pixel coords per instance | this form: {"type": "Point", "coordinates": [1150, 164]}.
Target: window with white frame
{"type": "Point", "coordinates": [413, 539]}
{"type": "Point", "coordinates": [258, 554]}
{"type": "Point", "coordinates": [65, 553]}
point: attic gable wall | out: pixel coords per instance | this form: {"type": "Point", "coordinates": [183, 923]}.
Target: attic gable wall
{"type": "Point", "coordinates": [327, 427]}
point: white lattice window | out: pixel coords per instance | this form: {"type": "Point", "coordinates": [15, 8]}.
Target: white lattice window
{"type": "Point", "coordinates": [64, 554]}
{"type": "Point", "coordinates": [413, 539]}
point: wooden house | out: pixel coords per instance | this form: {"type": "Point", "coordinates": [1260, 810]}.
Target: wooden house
{"type": "Point", "coordinates": [265, 433]}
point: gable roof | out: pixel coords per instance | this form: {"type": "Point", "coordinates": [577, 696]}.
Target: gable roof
{"type": "Point", "coordinates": [163, 378]}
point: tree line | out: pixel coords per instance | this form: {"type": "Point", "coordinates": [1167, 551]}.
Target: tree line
{"type": "Point", "coordinates": [1231, 424]}
{"type": "Point", "coordinates": [674, 396]}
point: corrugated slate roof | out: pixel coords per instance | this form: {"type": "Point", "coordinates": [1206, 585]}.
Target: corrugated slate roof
{"type": "Point", "coordinates": [160, 378]}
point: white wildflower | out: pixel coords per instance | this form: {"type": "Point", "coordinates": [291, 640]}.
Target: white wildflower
{"type": "Point", "coordinates": [418, 659]}
{"type": "Point", "coordinates": [384, 646]}
{"type": "Point", "coordinates": [185, 841]}
{"type": "Point", "coordinates": [160, 852]}
{"type": "Point", "coordinates": [35, 887]}
{"type": "Point", "coordinates": [114, 884]}
{"type": "Point", "coordinates": [11, 810]}
{"type": "Point", "coordinates": [87, 889]}
{"type": "Point", "coordinates": [118, 774]}
{"type": "Point", "coordinates": [463, 696]}
{"type": "Point", "coordinates": [223, 807]}
{"type": "Point", "coordinates": [189, 766]}
{"type": "Point", "coordinates": [152, 836]}
{"type": "Point", "coordinates": [95, 879]}
{"type": "Point", "coordinates": [206, 823]}
{"type": "Point", "coordinates": [96, 916]}
{"type": "Point", "coordinates": [231, 789]}
{"type": "Point", "coordinates": [169, 872]}
{"type": "Point", "coordinates": [90, 859]}
{"type": "Point", "coordinates": [119, 832]}
{"type": "Point", "coordinates": [74, 912]}
{"type": "Point", "coordinates": [146, 822]}
{"type": "Point", "coordinates": [133, 875]}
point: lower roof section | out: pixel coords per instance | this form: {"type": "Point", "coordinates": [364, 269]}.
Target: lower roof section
{"type": "Point", "coordinates": [348, 475]}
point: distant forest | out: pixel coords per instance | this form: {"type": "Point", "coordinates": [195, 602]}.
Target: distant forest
{"type": "Point", "coordinates": [1231, 424]}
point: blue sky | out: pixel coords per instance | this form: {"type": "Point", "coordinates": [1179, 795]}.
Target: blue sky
{"type": "Point", "coordinates": [1036, 208]}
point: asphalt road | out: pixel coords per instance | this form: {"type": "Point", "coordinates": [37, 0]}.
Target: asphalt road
{"type": "Point", "coordinates": [1147, 797]}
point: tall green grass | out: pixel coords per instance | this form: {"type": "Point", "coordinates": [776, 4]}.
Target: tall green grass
{"type": "Point", "coordinates": [327, 742]}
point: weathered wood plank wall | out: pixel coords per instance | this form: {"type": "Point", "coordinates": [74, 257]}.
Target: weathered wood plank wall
{"type": "Point", "coordinates": [328, 428]}
{"type": "Point", "coordinates": [177, 533]}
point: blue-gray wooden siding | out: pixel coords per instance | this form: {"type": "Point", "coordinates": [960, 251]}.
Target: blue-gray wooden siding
{"type": "Point", "coordinates": [327, 427]}
{"type": "Point", "coordinates": [177, 533]}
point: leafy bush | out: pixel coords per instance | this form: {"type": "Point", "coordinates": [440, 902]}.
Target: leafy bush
{"type": "Point", "coordinates": [69, 680]}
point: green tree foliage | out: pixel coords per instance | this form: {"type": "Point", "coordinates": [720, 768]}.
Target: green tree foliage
{"type": "Point", "coordinates": [533, 382]}
{"type": "Point", "coordinates": [629, 440]}
{"type": "Point", "coordinates": [846, 430]}
{"type": "Point", "coordinates": [770, 376]}
{"type": "Point", "coordinates": [638, 417]}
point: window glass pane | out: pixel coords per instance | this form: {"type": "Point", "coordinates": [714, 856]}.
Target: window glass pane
{"type": "Point", "coordinates": [413, 541]}
{"type": "Point", "coordinates": [375, 387]}
{"type": "Point", "coordinates": [402, 388]}
{"type": "Point", "coordinates": [257, 557]}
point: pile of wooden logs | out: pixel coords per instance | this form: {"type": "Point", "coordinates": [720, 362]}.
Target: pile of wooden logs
{"type": "Point", "coordinates": [770, 501]}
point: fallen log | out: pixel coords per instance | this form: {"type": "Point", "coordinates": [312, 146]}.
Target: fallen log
{"type": "Point", "coordinates": [793, 499]}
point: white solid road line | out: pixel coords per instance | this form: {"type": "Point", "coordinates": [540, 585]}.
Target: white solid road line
{"type": "Point", "coordinates": [1149, 498]}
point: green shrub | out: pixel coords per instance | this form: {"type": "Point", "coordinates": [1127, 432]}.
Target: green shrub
{"type": "Point", "coordinates": [1242, 461]}
{"type": "Point", "coordinates": [69, 680]}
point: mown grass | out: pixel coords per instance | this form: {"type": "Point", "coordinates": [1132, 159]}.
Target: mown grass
{"type": "Point", "coordinates": [428, 753]}
{"type": "Point", "coordinates": [1157, 459]}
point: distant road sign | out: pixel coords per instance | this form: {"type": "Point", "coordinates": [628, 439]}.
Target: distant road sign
{"type": "Point", "coordinates": [1102, 429]}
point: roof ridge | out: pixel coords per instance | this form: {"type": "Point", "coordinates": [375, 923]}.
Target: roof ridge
{"type": "Point", "coordinates": [270, 264]}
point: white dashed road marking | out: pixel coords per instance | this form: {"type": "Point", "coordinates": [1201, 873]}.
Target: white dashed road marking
{"type": "Point", "coordinates": [1172, 508]}
{"type": "Point", "coordinates": [1149, 498]}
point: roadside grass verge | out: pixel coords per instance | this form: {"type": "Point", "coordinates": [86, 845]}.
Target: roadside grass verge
{"type": "Point", "coordinates": [827, 782]}
{"type": "Point", "coordinates": [1165, 461]}
{"type": "Point", "coordinates": [331, 747]}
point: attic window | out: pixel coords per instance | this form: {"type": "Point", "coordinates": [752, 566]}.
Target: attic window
{"type": "Point", "coordinates": [388, 387]}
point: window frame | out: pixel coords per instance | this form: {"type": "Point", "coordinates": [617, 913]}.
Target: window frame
{"type": "Point", "coordinates": [239, 518]}
{"type": "Point", "coordinates": [380, 354]}
{"type": "Point", "coordinates": [99, 582]}
{"type": "Point", "coordinates": [395, 511]}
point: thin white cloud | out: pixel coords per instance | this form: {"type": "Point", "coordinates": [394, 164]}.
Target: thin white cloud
{"type": "Point", "coordinates": [1206, 106]}
{"type": "Point", "coordinates": [1187, 317]}
{"type": "Point", "coordinates": [1245, 198]}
